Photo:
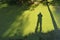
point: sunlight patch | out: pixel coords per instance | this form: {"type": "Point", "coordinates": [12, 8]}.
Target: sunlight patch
{"type": "Point", "coordinates": [28, 21]}
{"type": "Point", "coordinates": [3, 5]}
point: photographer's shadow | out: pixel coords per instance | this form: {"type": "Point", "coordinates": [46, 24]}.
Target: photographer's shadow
{"type": "Point", "coordinates": [39, 22]}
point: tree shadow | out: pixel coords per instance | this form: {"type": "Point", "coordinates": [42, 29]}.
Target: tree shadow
{"type": "Point", "coordinates": [51, 35]}
{"type": "Point", "coordinates": [53, 20]}
{"type": "Point", "coordinates": [46, 3]}
{"type": "Point", "coordinates": [54, 23]}
{"type": "Point", "coordinates": [8, 15]}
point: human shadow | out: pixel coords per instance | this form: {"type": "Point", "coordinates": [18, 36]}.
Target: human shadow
{"type": "Point", "coordinates": [51, 35]}
{"type": "Point", "coordinates": [39, 22]}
